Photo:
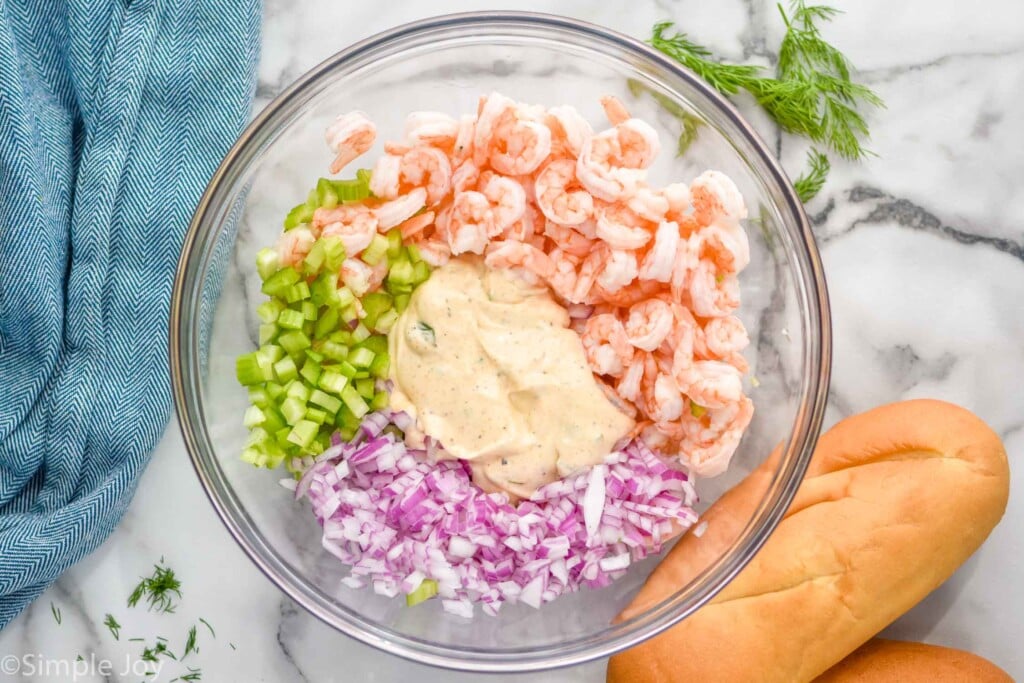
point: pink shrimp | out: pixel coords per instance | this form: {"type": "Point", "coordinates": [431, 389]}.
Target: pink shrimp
{"type": "Point", "coordinates": [508, 138]}
{"type": "Point", "coordinates": [508, 201]}
{"type": "Point", "coordinates": [355, 224]}
{"type": "Point", "coordinates": [648, 324]}
{"type": "Point", "coordinates": [390, 214]}
{"type": "Point", "coordinates": [633, 293]}
{"type": "Point", "coordinates": [725, 339]}
{"type": "Point", "coordinates": [677, 197]}
{"type": "Point", "coordinates": [614, 109]}
{"type": "Point", "coordinates": [435, 252]}
{"type": "Point", "coordinates": [569, 240]}
{"type": "Point", "coordinates": [724, 242]}
{"type": "Point", "coordinates": [425, 167]}
{"type": "Point", "coordinates": [709, 383]}
{"type": "Point", "coordinates": [586, 277]}
{"type": "Point", "coordinates": [714, 194]}
{"type": "Point", "coordinates": [356, 275]}
{"type": "Point", "coordinates": [432, 128]}
{"type": "Point", "coordinates": [385, 181]}
{"type": "Point", "coordinates": [415, 225]}
{"type": "Point", "coordinates": [660, 397]}
{"type": "Point", "coordinates": [710, 441]}
{"type": "Point", "coordinates": [559, 196]}
{"type": "Point", "coordinates": [620, 228]}
{"type": "Point", "coordinates": [293, 246]}
{"type": "Point", "coordinates": [712, 294]}
{"type": "Point", "coordinates": [465, 177]}
{"type": "Point", "coordinates": [350, 136]}
{"type": "Point", "coordinates": [470, 223]}
{"type": "Point", "coordinates": [569, 130]}
{"type": "Point", "coordinates": [660, 259]}
{"type": "Point", "coordinates": [603, 166]}
{"type": "Point", "coordinates": [511, 254]}
{"type": "Point", "coordinates": [563, 280]}
{"type": "Point", "coordinates": [462, 148]}
{"type": "Point", "coordinates": [628, 386]}
{"type": "Point", "coordinates": [648, 204]}
{"type": "Point", "coordinates": [607, 348]}
{"type": "Point", "coordinates": [619, 271]}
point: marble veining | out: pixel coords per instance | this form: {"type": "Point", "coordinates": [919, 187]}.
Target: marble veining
{"type": "Point", "coordinates": [923, 246]}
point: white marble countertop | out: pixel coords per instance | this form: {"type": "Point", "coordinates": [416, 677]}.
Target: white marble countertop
{"type": "Point", "coordinates": [924, 252]}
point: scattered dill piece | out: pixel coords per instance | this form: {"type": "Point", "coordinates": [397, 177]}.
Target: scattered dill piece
{"type": "Point", "coordinates": [79, 658]}
{"type": "Point", "coordinates": [810, 182]}
{"type": "Point", "coordinates": [136, 640]}
{"type": "Point", "coordinates": [232, 646]}
{"type": "Point", "coordinates": [111, 623]}
{"type": "Point", "coordinates": [190, 643]}
{"type": "Point", "coordinates": [192, 675]}
{"type": "Point", "coordinates": [207, 625]}
{"type": "Point", "coordinates": [55, 611]}
{"type": "Point", "coordinates": [158, 589]}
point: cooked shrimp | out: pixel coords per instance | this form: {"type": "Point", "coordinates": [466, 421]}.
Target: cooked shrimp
{"type": "Point", "coordinates": [586, 277]}
{"type": "Point", "coordinates": [683, 268]}
{"type": "Point", "coordinates": [390, 214]}
{"type": "Point", "coordinates": [355, 224]}
{"type": "Point", "coordinates": [386, 177]}
{"type": "Point", "coordinates": [648, 324]}
{"type": "Point", "coordinates": [463, 146]}
{"type": "Point", "coordinates": [415, 225]}
{"type": "Point", "coordinates": [620, 228]}
{"type": "Point", "coordinates": [677, 196]}
{"type": "Point", "coordinates": [648, 204]}
{"type": "Point", "coordinates": [470, 223]}
{"type": "Point", "coordinates": [631, 294]}
{"type": "Point", "coordinates": [605, 344]}
{"type": "Point", "coordinates": [708, 452]}
{"type": "Point", "coordinates": [662, 400]}
{"type": "Point", "coordinates": [709, 383]}
{"type": "Point", "coordinates": [356, 275]}
{"type": "Point", "coordinates": [519, 147]}
{"type": "Point", "coordinates": [569, 130]}
{"type": "Point", "coordinates": [569, 240]}
{"type": "Point", "coordinates": [563, 280]}
{"type": "Point", "coordinates": [508, 202]}
{"type": "Point", "coordinates": [428, 168]}
{"type": "Point", "coordinates": [432, 128]}
{"type": "Point", "coordinates": [628, 386]}
{"type": "Point", "coordinates": [559, 195]}
{"type": "Point", "coordinates": [619, 270]}
{"type": "Point", "coordinates": [602, 170]}
{"type": "Point", "coordinates": [511, 254]}
{"type": "Point", "coordinates": [724, 242]}
{"type": "Point", "coordinates": [465, 177]}
{"type": "Point", "coordinates": [661, 257]}
{"type": "Point", "coordinates": [435, 253]}
{"type": "Point", "coordinates": [615, 110]}
{"type": "Point", "coordinates": [349, 136]}
{"type": "Point", "coordinates": [712, 294]}
{"type": "Point", "coordinates": [725, 339]}
{"type": "Point", "coordinates": [294, 245]}
{"type": "Point", "coordinates": [714, 194]}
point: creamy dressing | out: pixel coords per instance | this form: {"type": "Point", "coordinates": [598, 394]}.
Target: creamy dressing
{"type": "Point", "coordinates": [486, 365]}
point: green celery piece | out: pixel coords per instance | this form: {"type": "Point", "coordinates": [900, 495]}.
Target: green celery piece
{"type": "Point", "coordinates": [352, 190]}
{"type": "Point", "coordinates": [310, 371]}
{"type": "Point", "coordinates": [273, 420]}
{"type": "Point", "coordinates": [401, 303]}
{"type": "Point", "coordinates": [290, 319]}
{"type": "Point", "coordinates": [354, 401]}
{"type": "Point", "coordinates": [326, 194]}
{"type": "Point", "coordinates": [293, 410]}
{"type": "Point", "coordinates": [279, 282]}
{"type": "Point", "coordinates": [329, 403]}
{"type": "Point", "coordinates": [285, 369]}
{"type": "Point", "coordinates": [316, 415]}
{"type": "Point", "coordinates": [268, 333]}
{"type": "Point", "coordinates": [251, 369]}
{"type": "Point", "coordinates": [420, 272]}
{"type": "Point", "coordinates": [426, 590]}
{"type": "Point", "coordinates": [376, 250]}
{"type": "Point", "coordinates": [267, 262]}
{"type": "Point", "coordinates": [269, 310]}
{"type": "Point", "coordinates": [380, 401]}
{"type": "Point", "coordinates": [414, 253]}
{"type": "Point", "coordinates": [326, 323]}
{"type": "Point", "coordinates": [303, 433]}
{"type": "Point", "coordinates": [334, 351]}
{"type": "Point", "coordinates": [299, 390]}
{"type": "Point", "coordinates": [378, 343]}
{"type": "Point", "coordinates": [345, 420]}
{"type": "Point", "coordinates": [253, 417]}
{"type": "Point", "coordinates": [401, 272]}
{"type": "Point", "coordinates": [303, 213]}
{"type": "Point", "coordinates": [332, 381]}
{"type": "Point", "coordinates": [347, 369]}
{"type": "Point", "coordinates": [296, 292]}
{"type": "Point", "coordinates": [309, 311]}
{"type": "Point", "coordinates": [361, 357]}
{"type": "Point", "coordinates": [294, 341]}
{"type": "Point", "coordinates": [360, 333]}
{"type": "Point", "coordinates": [380, 366]}
{"type": "Point", "coordinates": [376, 303]}
{"type": "Point", "coordinates": [394, 243]}
{"type": "Point", "coordinates": [258, 396]}
{"type": "Point", "coordinates": [365, 388]}
{"type": "Point", "coordinates": [386, 321]}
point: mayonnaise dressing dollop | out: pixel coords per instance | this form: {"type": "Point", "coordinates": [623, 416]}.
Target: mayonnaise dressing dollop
{"type": "Point", "coordinates": [486, 364]}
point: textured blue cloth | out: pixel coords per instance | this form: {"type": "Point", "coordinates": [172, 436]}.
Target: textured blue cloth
{"type": "Point", "coordinates": [113, 116]}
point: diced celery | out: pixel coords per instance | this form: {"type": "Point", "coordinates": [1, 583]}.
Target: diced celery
{"type": "Point", "coordinates": [376, 303]}
{"type": "Point", "coordinates": [303, 213]}
{"type": "Point", "coordinates": [274, 390]}
{"type": "Point", "coordinates": [401, 303]}
{"type": "Point", "coordinates": [268, 333]}
{"type": "Point", "coordinates": [333, 382]}
{"type": "Point", "coordinates": [376, 250]}
{"type": "Point", "coordinates": [361, 357]}
{"type": "Point", "coordinates": [253, 417]}
{"type": "Point", "coordinates": [313, 355]}
{"type": "Point", "coordinates": [272, 352]}
{"type": "Point", "coordinates": [316, 415]}
{"type": "Point", "coordinates": [354, 402]}
{"type": "Point", "coordinates": [394, 243]}
{"type": "Point", "coordinates": [697, 410]}
{"type": "Point", "coordinates": [293, 410]}
{"type": "Point", "coordinates": [365, 388]}
{"type": "Point", "coordinates": [325, 401]}
{"type": "Point", "coordinates": [334, 351]}
{"type": "Point", "coordinates": [386, 321]}
{"type": "Point", "coordinates": [414, 253]}
{"type": "Point", "coordinates": [299, 390]}
{"type": "Point", "coordinates": [420, 272]}
{"type": "Point", "coordinates": [314, 258]}
{"type": "Point", "coordinates": [401, 272]}
{"type": "Point", "coordinates": [285, 369]}
{"type": "Point", "coordinates": [296, 292]}
{"type": "Point", "coordinates": [258, 396]}
{"type": "Point", "coordinates": [269, 310]}
{"type": "Point", "coordinates": [326, 194]}
{"type": "Point", "coordinates": [360, 333]}
{"type": "Point", "coordinates": [273, 420]}
{"type": "Point", "coordinates": [267, 262]}
{"type": "Point", "coordinates": [251, 368]}
{"type": "Point", "coordinates": [341, 337]}
{"type": "Point", "coordinates": [347, 369]}
{"type": "Point", "coordinates": [345, 420]}
{"type": "Point", "coordinates": [310, 371]}
{"type": "Point", "coordinates": [290, 320]}
{"type": "Point", "coordinates": [345, 297]}
{"type": "Point", "coordinates": [279, 282]}
{"type": "Point", "coordinates": [303, 433]}
{"type": "Point", "coordinates": [426, 590]}
{"type": "Point", "coordinates": [324, 290]}
{"type": "Point", "coordinates": [326, 323]}
{"type": "Point", "coordinates": [352, 190]}
{"type": "Point", "coordinates": [380, 366]}
{"type": "Point", "coordinates": [309, 311]}
{"type": "Point", "coordinates": [294, 341]}
{"type": "Point", "coordinates": [334, 254]}
{"type": "Point", "coordinates": [380, 401]}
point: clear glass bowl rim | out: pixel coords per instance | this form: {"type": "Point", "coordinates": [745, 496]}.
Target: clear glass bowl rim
{"type": "Point", "coordinates": [186, 388]}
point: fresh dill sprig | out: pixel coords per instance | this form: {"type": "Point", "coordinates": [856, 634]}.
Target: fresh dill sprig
{"type": "Point", "coordinates": [55, 611]}
{"type": "Point", "coordinates": [207, 625]}
{"type": "Point", "coordinates": [192, 675]}
{"type": "Point", "coordinates": [111, 623]}
{"type": "Point", "coordinates": [190, 643]}
{"type": "Point", "coordinates": [811, 95]}
{"type": "Point", "coordinates": [150, 654]}
{"type": "Point", "coordinates": [157, 589]}
{"type": "Point", "coordinates": [810, 182]}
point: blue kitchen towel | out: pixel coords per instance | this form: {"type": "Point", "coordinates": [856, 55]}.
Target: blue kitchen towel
{"type": "Point", "coordinates": [113, 116]}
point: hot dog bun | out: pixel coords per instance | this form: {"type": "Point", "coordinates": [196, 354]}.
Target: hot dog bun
{"type": "Point", "coordinates": [894, 500]}
{"type": "Point", "coordinates": [896, 661]}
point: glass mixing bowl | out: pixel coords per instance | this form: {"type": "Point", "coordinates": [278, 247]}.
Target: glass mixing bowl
{"type": "Point", "coordinates": [446, 63]}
